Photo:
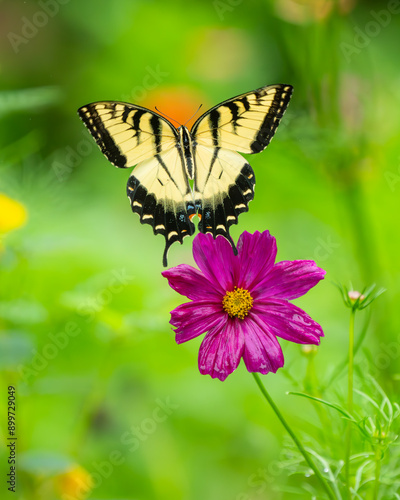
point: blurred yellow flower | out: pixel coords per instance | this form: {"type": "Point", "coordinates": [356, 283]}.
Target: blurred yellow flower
{"type": "Point", "coordinates": [74, 484]}
{"type": "Point", "coordinates": [12, 214]}
{"type": "Point", "coordinates": [309, 350]}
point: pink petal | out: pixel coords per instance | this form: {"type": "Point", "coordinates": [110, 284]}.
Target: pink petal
{"type": "Point", "coordinates": [216, 260]}
{"type": "Point", "coordinates": [257, 253]}
{"type": "Point", "coordinates": [262, 352]}
{"type": "Point", "coordinates": [190, 282]}
{"type": "Point", "coordinates": [288, 321]}
{"type": "Point", "coordinates": [221, 350]}
{"type": "Point", "coordinates": [289, 279]}
{"type": "Point", "coordinates": [194, 318]}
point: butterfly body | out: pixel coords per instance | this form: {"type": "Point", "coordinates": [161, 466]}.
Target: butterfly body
{"type": "Point", "coordinates": [181, 173]}
{"type": "Point", "coordinates": [185, 142]}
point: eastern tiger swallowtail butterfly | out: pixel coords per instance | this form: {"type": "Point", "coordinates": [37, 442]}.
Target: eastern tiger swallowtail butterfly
{"type": "Point", "coordinates": [182, 173]}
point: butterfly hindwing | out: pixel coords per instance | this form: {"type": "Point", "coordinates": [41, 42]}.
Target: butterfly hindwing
{"type": "Point", "coordinates": [245, 123]}
{"type": "Point", "coordinates": [126, 133]}
{"type": "Point", "coordinates": [159, 192]}
{"type": "Point", "coordinates": [224, 186]}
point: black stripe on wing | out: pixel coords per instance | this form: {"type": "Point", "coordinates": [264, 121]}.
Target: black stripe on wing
{"type": "Point", "coordinates": [140, 123]}
{"type": "Point", "coordinates": [272, 118]}
{"type": "Point", "coordinates": [90, 117]}
{"type": "Point", "coordinates": [217, 215]}
{"type": "Point", "coordinates": [228, 124]}
{"type": "Point", "coordinates": [172, 220]}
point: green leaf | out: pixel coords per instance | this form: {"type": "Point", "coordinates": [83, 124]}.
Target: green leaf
{"type": "Point", "coordinates": [27, 99]}
{"type": "Point", "coordinates": [22, 311]}
{"type": "Point", "coordinates": [346, 415]}
{"type": "Point", "coordinates": [336, 407]}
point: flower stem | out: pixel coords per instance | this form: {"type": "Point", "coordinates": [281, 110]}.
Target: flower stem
{"type": "Point", "coordinates": [301, 448]}
{"type": "Point", "coordinates": [350, 399]}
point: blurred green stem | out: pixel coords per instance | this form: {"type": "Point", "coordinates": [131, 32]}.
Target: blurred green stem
{"type": "Point", "coordinates": [350, 399]}
{"type": "Point", "coordinates": [377, 474]}
{"type": "Point", "coordinates": [301, 448]}
{"type": "Point", "coordinates": [337, 373]}
{"type": "Point", "coordinates": [311, 386]}
{"type": "Point", "coordinates": [361, 224]}
{"type": "Point", "coordinates": [94, 398]}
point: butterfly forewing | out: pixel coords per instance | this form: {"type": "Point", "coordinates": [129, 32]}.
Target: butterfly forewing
{"type": "Point", "coordinates": [245, 123]}
{"type": "Point", "coordinates": [127, 134]}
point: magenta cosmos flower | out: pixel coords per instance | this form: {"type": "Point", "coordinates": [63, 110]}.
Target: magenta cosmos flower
{"type": "Point", "coordinates": [242, 302]}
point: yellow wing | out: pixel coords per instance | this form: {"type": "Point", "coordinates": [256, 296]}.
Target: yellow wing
{"type": "Point", "coordinates": [126, 133]}
{"type": "Point", "coordinates": [160, 194]}
{"type": "Point", "coordinates": [245, 123]}
{"type": "Point", "coordinates": [224, 186]}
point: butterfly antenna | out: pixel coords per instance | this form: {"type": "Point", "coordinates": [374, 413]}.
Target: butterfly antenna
{"type": "Point", "coordinates": [198, 109]}
{"type": "Point", "coordinates": [169, 117]}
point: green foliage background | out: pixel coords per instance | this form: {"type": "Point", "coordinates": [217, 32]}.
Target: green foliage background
{"type": "Point", "coordinates": [327, 188]}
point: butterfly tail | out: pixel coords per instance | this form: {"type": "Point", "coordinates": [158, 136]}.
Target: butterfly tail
{"type": "Point", "coordinates": [229, 238]}
{"type": "Point", "coordinates": [165, 255]}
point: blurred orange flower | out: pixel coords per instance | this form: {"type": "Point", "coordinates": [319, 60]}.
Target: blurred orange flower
{"type": "Point", "coordinates": [179, 103]}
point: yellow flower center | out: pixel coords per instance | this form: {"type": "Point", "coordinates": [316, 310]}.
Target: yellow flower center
{"type": "Point", "coordinates": [237, 303]}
